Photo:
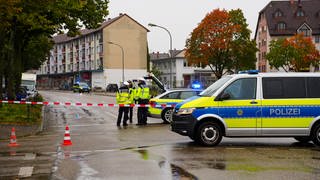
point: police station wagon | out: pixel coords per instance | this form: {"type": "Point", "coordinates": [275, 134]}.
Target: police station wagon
{"type": "Point", "coordinates": [253, 105]}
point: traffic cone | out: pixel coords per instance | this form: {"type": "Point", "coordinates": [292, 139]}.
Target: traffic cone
{"type": "Point", "coordinates": [67, 138]}
{"type": "Point", "coordinates": [13, 138]}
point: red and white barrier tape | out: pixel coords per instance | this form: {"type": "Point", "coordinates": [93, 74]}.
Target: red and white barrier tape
{"type": "Point", "coordinates": [85, 104]}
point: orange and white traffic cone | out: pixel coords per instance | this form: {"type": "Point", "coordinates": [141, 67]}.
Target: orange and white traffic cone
{"type": "Point", "coordinates": [13, 138]}
{"type": "Point", "coordinates": [67, 138]}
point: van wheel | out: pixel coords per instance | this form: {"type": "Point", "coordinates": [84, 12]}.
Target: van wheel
{"type": "Point", "coordinates": [315, 135]}
{"type": "Point", "coordinates": [166, 115]}
{"type": "Point", "coordinates": [303, 139]}
{"type": "Point", "coordinates": [209, 134]}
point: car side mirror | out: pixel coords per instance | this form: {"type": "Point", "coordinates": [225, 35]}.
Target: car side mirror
{"type": "Point", "coordinates": [223, 96]}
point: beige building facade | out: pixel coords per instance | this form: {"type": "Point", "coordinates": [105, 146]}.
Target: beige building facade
{"type": "Point", "coordinates": [114, 52]}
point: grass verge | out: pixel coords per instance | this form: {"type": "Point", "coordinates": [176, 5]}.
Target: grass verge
{"type": "Point", "coordinates": [21, 114]}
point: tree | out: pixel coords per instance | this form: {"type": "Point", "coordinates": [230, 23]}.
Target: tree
{"type": "Point", "coordinates": [27, 26]}
{"type": "Point", "coordinates": [296, 53]}
{"type": "Point", "coordinates": [221, 41]}
{"type": "Point", "coordinates": [243, 49]}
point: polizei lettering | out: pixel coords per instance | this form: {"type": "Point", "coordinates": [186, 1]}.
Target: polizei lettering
{"type": "Point", "coordinates": [284, 111]}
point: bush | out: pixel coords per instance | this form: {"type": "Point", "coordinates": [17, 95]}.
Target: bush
{"type": "Point", "coordinates": [36, 98]}
{"type": "Point", "coordinates": [21, 114]}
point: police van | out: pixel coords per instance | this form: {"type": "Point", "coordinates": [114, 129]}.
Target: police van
{"type": "Point", "coordinates": [253, 104]}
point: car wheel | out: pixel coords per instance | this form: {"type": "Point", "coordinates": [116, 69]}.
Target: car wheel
{"type": "Point", "coordinates": [303, 139]}
{"type": "Point", "coordinates": [315, 135]}
{"type": "Point", "coordinates": [166, 115]}
{"type": "Point", "coordinates": [209, 134]}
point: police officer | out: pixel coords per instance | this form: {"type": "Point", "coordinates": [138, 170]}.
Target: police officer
{"type": "Point", "coordinates": [144, 96]}
{"type": "Point", "coordinates": [123, 97]}
{"type": "Point", "coordinates": [132, 95]}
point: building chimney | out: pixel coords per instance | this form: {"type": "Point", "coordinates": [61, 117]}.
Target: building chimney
{"type": "Point", "coordinates": [120, 14]}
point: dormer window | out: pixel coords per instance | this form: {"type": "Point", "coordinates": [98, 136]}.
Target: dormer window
{"type": "Point", "coordinates": [300, 13]}
{"type": "Point", "coordinates": [281, 26]}
{"type": "Point", "coordinates": [278, 13]}
{"type": "Point", "coordinates": [305, 30]}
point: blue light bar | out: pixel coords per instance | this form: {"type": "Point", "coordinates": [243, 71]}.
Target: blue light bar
{"type": "Point", "coordinates": [196, 86]}
{"type": "Point", "coordinates": [249, 72]}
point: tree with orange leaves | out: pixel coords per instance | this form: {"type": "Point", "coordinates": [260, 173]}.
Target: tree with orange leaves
{"type": "Point", "coordinates": [296, 53]}
{"type": "Point", "coordinates": [222, 42]}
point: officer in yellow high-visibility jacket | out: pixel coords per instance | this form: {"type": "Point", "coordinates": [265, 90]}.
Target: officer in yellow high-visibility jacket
{"type": "Point", "coordinates": [123, 97]}
{"type": "Point", "coordinates": [132, 92]}
{"type": "Point", "coordinates": [144, 96]}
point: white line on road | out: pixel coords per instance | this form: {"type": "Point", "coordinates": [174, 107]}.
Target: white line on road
{"type": "Point", "coordinates": [25, 171]}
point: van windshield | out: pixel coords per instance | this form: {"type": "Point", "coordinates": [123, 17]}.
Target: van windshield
{"type": "Point", "coordinates": [215, 86]}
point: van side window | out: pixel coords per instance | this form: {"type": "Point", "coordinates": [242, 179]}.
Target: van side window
{"type": "Point", "coordinates": [242, 89]}
{"type": "Point", "coordinates": [281, 88]}
{"type": "Point", "coordinates": [313, 87]}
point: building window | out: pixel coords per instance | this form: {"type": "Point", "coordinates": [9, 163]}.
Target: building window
{"type": "Point", "coordinates": [281, 26]}
{"type": "Point", "coordinates": [300, 13]}
{"type": "Point", "coordinates": [185, 63]}
{"type": "Point", "coordinates": [317, 39]}
{"type": "Point", "coordinates": [264, 42]}
{"type": "Point", "coordinates": [278, 13]}
{"type": "Point", "coordinates": [305, 30]}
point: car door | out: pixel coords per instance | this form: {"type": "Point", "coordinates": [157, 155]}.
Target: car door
{"type": "Point", "coordinates": [286, 110]}
{"type": "Point", "coordinates": [240, 107]}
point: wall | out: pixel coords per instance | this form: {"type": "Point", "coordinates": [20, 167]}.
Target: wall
{"type": "Point", "coordinates": [133, 39]}
{"type": "Point", "coordinates": [114, 76]}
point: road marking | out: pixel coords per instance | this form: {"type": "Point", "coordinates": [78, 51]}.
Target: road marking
{"type": "Point", "coordinates": [29, 156]}
{"type": "Point", "coordinates": [25, 171]}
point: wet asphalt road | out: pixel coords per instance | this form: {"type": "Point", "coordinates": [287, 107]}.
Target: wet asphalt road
{"type": "Point", "coordinates": [100, 150]}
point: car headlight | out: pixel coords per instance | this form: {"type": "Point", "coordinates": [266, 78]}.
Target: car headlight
{"type": "Point", "coordinates": [185, 111]}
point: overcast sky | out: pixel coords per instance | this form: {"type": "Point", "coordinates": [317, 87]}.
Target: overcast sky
{"type": "Point", "coordinates": [180, 17]}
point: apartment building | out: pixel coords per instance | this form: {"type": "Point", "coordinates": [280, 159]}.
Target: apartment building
{"type": "Point", "coordinates": [114, 52]}
{"type": "Point", "coordinates": [282, 19]}
{"type": "Point", "coordinates": [183, 74]}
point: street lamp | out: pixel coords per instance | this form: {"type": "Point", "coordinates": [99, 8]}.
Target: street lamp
{"type": "Point", "coordinates": [170, 52]}
{"type": "Point", "coordinates": [122, 54]}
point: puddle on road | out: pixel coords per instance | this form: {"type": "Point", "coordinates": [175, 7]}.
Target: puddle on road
{"type": "Point", "coordinates": [175, 171]}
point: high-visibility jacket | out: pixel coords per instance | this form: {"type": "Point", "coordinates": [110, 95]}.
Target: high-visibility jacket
{"type": "Point", "coordinates": [131, 95]}
{"type": "Point", "coordinates": [123, 97]}
{"type": "Point", "coordinates": [144, 93]}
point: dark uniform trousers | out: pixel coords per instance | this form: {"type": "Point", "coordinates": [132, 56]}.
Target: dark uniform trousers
{"type": "Point", "coordinates": [130, 114]}
{"type": "Point", "coordinates": [142, 112]}
{"type": "Point", "coordinates": [123, 110]}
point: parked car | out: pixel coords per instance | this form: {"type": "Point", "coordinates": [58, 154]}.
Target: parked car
{"type": "Point", "coordinates": [112, 88]}
{"type": "Point", "coordinates": [170, 97]}
{"type": "Point", "coordinates": [22, 94]}
{"type": "Point", "coordinates": [81, 87]}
